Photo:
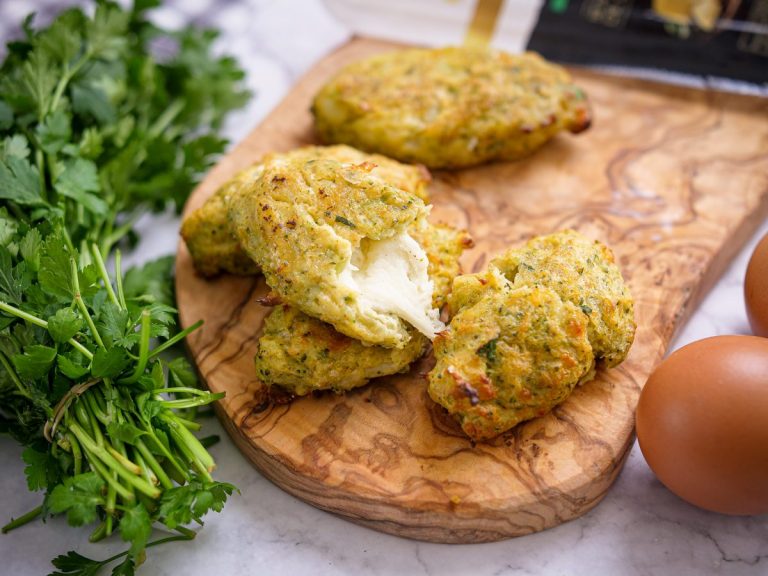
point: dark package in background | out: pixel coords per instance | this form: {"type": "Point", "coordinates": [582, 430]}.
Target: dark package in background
{"type": "Point", "coordinates": [711, 38]}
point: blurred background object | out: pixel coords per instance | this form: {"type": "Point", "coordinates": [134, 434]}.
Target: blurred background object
{"type": "Point", "coordinates": [705, 43]}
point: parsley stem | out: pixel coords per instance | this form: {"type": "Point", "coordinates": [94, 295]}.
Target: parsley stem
{"type": "Point", "coordinates": [82, 416]}
{"type": "Point", "coordinates": [170, 458]}
{"type": "Point", "coordinates": [67, 75]}
{"type": "Point", "coordinates": [102, 454]}
{"type": "Point", "coordinates": [39, 160]}
{"type": "Point", "coordinates": [116, 235]}
{"type": "Point", "coordinates": [15, 377]}
{"type": "Point", "coordinates": [109, 505]}
{"type": "Point", "coordinates": [100, 532]}
{"type": "Point", "coordinates": [43, 324]}
{"type": "Point", "coordinates": [190, 446]}
{"type": "Point", "coordinates": [67, 239]}
{"type": "Point", "coordinates": [143, 348]}
{"type": "Point", "coordinates": [176, 338]}
{"type": "Point", "coordinates": [183, 536]}
{"type": "Point", "coordinates": [165, 119]}
{"type": "Point", "coordinates": [127, 464]}
{"type": "Point", "coordinates": [23, 519]}
{"type": "Point", "coordinates": [108, 477]}
{"type": "Point", "coordinates": [152, 462]}
{"type": "Point", "coordinates": [95, 410]}
{"type": "Point", "coordinates": [188, 424]}
{"type": "Point", "coordinates": [82, 307]}
{"type": "Point", "coordinates": [183, 390]}
{"type": "Point", "coordinates": [119, 279]}
{"type": "Point", "coordinates": [108, 521]}
{"type": "Point", "coordinates": [77, 454]}
{"type": "Point", "coordinates": [96, 254]}
{"type": "Point", "coordinates": [23, 315]}
{"type": "Point", "coordinates": [146, 471]}
{"type": "Point", "coordinates": [184, 403]}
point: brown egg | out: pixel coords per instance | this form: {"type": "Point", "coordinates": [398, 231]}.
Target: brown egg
{"type": "Point", "coordinates": [756, 289]}
{"type": "Point", "coordinates": [702, 423]}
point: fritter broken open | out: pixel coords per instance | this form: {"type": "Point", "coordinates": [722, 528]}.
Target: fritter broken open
{"type": "Point", "coordinates": [215, 249]}
{"type": "Point", "coordinates": [332, 240]}
{"type": "Point", "coordinates": [302, 354]}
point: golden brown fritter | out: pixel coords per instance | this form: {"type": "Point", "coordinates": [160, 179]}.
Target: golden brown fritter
{"type": "Point", "coordinates": [302, 354]}
{"type": "Point", "coordinates": [468, 289]}
{"type": "Point", "coordinates": [450, 107]}
{"type": "Point", "coordinates": [512, 355]}
{"type": "Point", "coordinates": [332, 240]}
{"type": "Point", "coordinates": [548, 302]}
{"type": "Point", "coordinates": [413, 178]}
{"type": "Point", "coordinates": [213, 247]}
{"type": "Point", "coordinates": [584, 272]}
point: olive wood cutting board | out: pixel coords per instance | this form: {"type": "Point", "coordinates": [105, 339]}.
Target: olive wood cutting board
{"type": "Point", "coordinates": [673, 179]}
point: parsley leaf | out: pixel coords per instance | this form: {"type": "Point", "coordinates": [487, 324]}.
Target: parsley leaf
{"type": "Point", "coordinates": [125, 432]}
{"type": "Point", "coordinates": [489, 350]}
{"type": "Point", "coordinates": [10, 285]}
{"type": "Point", "coordinates": [136, 527]}
{"type": "Point", "coordinates": [181, 372]}
{"type": "Point", "coordinates": [74, 564]}
{"type": "Point", "coordinates": [79, 496]}
{"type": "Point", "coordinates": [151, 281]}
{"type": "Point", "coordinates": [35, 362]}
{"type": "Point", "coordinates": [78, 180]}
{"type": "Point", "coordinates": [125, 568]}
{"type": "Point", "coordinates": [96, 129]}
{"type": "Point", "coordinates": [183, 504]}
{"type": "Point", "coordinates": [70, 368]}
{"type": "Point", "coordinates": [19, 181]}
{"type": "Point", "coordinates": [64, 324]}
{"type": "Point", "coordinates": [55, 268]}
{"type": "Point", "coordinates": [6, 116]}
{"type": "Point", "coordinates": [109, 363]}
{"type": "Point", "coordinates": [55, 132]}
{"type": "Point", "coordinates": [42, 469]}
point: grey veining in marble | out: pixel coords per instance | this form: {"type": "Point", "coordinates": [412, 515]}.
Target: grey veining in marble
{"type": "Point", "coordinates": [639, 529]}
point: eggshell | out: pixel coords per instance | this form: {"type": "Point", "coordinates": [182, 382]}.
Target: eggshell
{"type": "Point", "coordinates": [702, 423]}
{"type": "Point", "coordinates": [756, 289]}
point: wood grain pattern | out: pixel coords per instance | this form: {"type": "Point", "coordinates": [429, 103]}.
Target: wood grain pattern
{"type": "Point", "coordinates": [673, 179]}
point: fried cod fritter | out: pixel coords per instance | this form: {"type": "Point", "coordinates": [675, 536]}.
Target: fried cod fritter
{"type": "Point", "coordinates": [581, 271]}
{"type": "Point", "coordinates": [450, 107]}
{"type": "Point", "coordinates": [584, 272]}
{"type": "Point", "coordinates": [557, 305]}
{"type": "Point", "coordinates": [215, 249]}
{"type": "Point", "coordinates": [511, 355]}
{"type": "Point", "coordinates": [302, 354]}
{"type": "Point", "coordinates": [332, 240]}
{"type": "Point", "coordinates": [468, 289]}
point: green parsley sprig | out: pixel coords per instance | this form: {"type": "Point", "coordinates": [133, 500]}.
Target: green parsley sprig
{"type": "Point", "coordinates": [102, 119]}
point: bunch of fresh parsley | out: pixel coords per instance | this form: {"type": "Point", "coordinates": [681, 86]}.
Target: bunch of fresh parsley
{"type": "Point", "coordinates": [103, 117]}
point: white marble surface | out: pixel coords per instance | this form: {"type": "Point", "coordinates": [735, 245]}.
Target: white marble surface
{"type": "Point", "coordinates": [639, 529]}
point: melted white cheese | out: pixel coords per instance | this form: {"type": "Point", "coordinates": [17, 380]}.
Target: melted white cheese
{"type": "Point", "coordinates": [390, 277]}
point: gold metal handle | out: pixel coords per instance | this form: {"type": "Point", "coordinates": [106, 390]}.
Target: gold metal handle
{"type": "Point", "coordinates": [483, 23]}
